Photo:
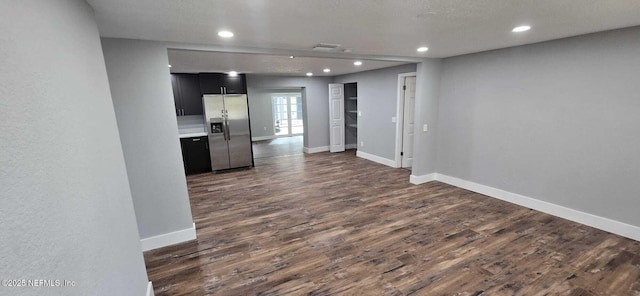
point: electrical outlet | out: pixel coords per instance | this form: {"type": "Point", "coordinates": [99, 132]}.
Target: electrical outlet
{"type": "Point", "coordinates": [425, 128]}
{"type": "Point", "coordinates": [361, 143]}
{"type": "Point", "coordinates": [393, 119]}
{"type": "Point", "coordinates": [359, 113]}
{"type": "Point", "coordinates": [265, 128]}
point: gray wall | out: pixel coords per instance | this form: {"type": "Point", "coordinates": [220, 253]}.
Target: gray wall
{"type": "Point", "coordinates": [377, 100]}
{"type": "Point", "coordinates": [261, 110]}
{"type": "Point", "coordinates": [143, 101]}
{"type": "Point", "coordinates": [315, 103]}
{"type": "Point", "coordinates": [66, 209]}
{"type": "Point", "coordinates": [556, 121]}
{"type": "Point", "coordinates": [426, 106]}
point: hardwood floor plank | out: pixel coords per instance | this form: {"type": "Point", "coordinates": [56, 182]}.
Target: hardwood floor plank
{"type": "Point", "coordinates": [334, 224]}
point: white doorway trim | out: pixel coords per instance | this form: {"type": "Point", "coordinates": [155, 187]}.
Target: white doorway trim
{"type": "Point", "coordinates": [400, 116]}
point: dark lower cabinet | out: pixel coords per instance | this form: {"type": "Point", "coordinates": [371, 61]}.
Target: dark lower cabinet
{"type": "Point", "coordinates": [195, 154]}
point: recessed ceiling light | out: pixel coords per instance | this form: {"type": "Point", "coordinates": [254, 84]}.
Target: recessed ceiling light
{"type": "Point", "coordinates": [309, 74]}
{"type": "Point", "coordinates": [233, 74]}
{"type": "Point", "coordinates": [521, 29]}
{"type": "Point", "coordinates": [422, 49]}
{"type": "Point", "coordinates": [358, 63]}
{"type": "Point", "coordinates": [326, 70]}
{"type": "Point", "coordinates": [225, 34]}
{"type": "Point", "coordinates": [169, 66]}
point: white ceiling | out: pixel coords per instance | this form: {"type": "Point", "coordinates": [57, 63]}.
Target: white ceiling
{"type": "Point", "coordinates": [373, 29]}
{"type": "Point", "coordinates": [188, 61]}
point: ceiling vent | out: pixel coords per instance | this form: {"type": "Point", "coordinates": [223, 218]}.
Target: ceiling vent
{"type": "Point", "coordinates": [326, 46]}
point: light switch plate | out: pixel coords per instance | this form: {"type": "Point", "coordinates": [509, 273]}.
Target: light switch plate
{"type": "Point", "coordinates": [359, 113]}
{"type": "Point", "coordinates": [425, 128]}
{"type": "Point", "coordinates": [393, 119]}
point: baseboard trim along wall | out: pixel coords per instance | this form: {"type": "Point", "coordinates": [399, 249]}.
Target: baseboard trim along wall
{"type": "Point", "coordinates": [315, 149]}
{"type": "Point", "coordinates": [150, 289]}
{"type": "Point", "coordinates": [602, 223]}
{"type": "Point", "coordinates": [375, 158]}
{"type": "Point", "coordinates": [413, 179]}
{"type": "Point", "coordinates": [168, 239]}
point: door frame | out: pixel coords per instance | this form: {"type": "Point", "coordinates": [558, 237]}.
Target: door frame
{"type": "Point", "coordinates": [400, 116]}
{"type": "Point", "coordinates": [273, 122]}
{"type": "Point", "coordinates": [333, 147]}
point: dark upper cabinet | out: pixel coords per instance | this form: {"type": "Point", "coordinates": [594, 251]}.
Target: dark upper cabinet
{"type": "Point", "coordinates": [186, 94]}
{"type": "Point", "coordinates": [191, 96]}
{"type": "Point", "coordinates": [211, 83]}
{"type": "Point", "coordinates": [234, 85]}
{"type": "Point", "coordinates": [189, 88]}
{"type": "Point", "coordinates": [219, 83]}
{"type": "Point", "coordinates": [195, 154]}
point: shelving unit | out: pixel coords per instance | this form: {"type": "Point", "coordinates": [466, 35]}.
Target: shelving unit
{"type": "Point", "coordinates": [351, 114]}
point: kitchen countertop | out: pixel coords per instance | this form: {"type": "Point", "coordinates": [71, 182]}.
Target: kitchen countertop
{"type": "Point", "coordinates": [191, 135]}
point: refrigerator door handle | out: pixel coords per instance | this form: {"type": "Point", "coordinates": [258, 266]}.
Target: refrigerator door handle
{"type": "Point", "coordinates": [228, 132]}
{"type": "Point", "coordinates": [225, 130]}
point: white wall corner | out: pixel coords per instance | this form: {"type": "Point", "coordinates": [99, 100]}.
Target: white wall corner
{"type": "Point", "coordinates": [168, 239]}
{"type": "Point", "coordinates": [417, 180]}
{"type": "Point", "coordinates": [375, 158]}
{"type": "Point", "coordinates": [315, 149]}
{"type": "Point", "coordinates": [602, 223]}
{"type": "Point", "coordinates": [150, 289]}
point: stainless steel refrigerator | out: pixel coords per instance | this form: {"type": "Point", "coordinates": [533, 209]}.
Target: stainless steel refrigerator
{"type": "Point", "coordinates": [229, 134]}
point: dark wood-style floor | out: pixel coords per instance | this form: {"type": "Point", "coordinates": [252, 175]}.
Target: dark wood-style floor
{"type": "Point", "coordinates": [334, 224]}
{"type": "Point", "coordinates": [278, 147]}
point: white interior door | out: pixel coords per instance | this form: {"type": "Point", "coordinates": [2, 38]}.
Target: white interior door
{"type": "Point", "coordinates": [408, 118]}
{"type": "Point", "coordinates": [336, 117]}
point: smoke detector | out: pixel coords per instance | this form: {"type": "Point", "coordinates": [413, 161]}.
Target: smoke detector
{"type": "Point", "coordinates": [326, 46]}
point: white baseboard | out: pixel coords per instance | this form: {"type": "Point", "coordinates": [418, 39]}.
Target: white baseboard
{"type": "Point", "coordinates": [375, 158]}
{"type": "Point", "coordinates": [602, 223]}
{"type": "Point", "coordinates": [168, 239]}
{"type": "Point", "coordinates": [351, 146]}
{"type": "Point", "coordinates": [417, 180]}
{"type": "Point", "coordinates": [315, 149]}
{"type": "Point", "coordinates": [150, 289]}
